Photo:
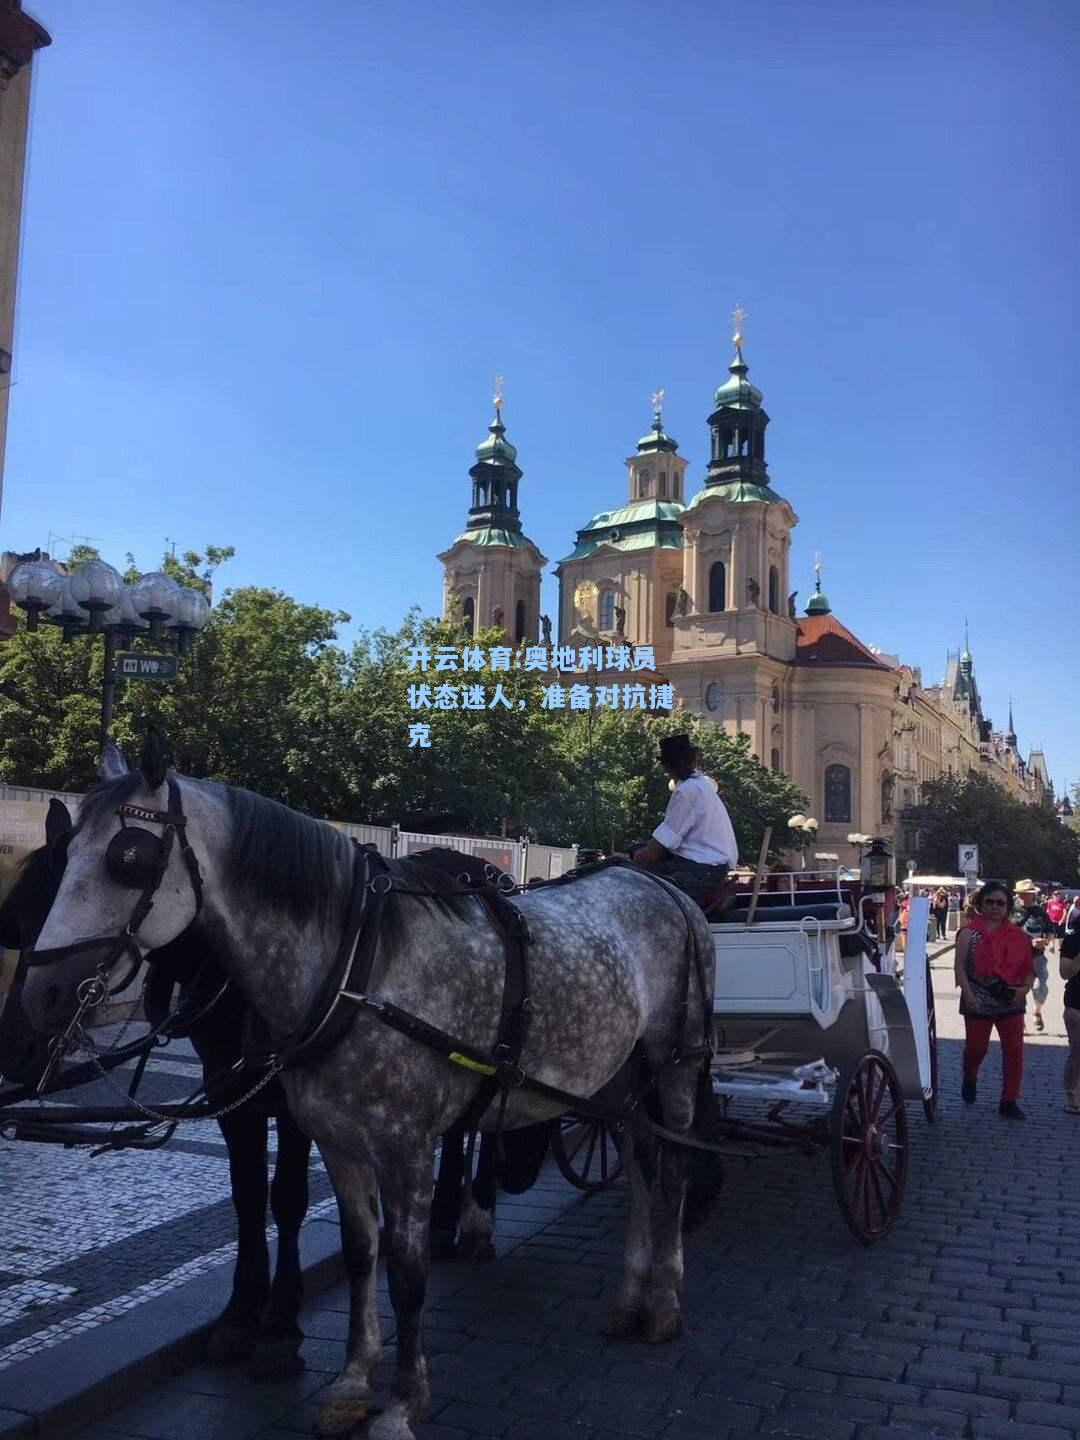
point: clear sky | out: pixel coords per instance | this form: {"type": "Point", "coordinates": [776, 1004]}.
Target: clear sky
{"type": "Point", "coordinates": [274, 253]}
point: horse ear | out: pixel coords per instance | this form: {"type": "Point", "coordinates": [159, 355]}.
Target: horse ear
{"type": "Point", "coordinates": [57, 821]}
{"type": "Point", "coordinates": [112, 764]}
{"type": "Point", "coordinates": [153, 760]}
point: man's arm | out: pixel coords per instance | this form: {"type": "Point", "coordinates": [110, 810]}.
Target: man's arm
{"type": "Point", "coordinates": [649, 853]}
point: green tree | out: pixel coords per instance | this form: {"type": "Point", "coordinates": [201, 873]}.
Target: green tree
{"type": "Point", "coordinates": [1015, 840]}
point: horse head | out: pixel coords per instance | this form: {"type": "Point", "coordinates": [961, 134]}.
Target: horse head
{"type": "Point", "coordinates": [129, 885]}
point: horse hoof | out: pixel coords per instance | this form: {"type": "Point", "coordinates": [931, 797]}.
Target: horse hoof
{"type": "Point", "coordinates": [275, 1360]}
{"type": "Point", "coordinates": [338, 1417]}
{"type": "Point", "coordinates": [478, 1248]}
{"type": "Point", "coordinates": [229, 1344]}
{"type": "Point", "coordinates": [443, 1246]}
{"type": "Point", "coordinates": [623, 1321]}
{"type": "Point", "coordinates": [659, 1329]}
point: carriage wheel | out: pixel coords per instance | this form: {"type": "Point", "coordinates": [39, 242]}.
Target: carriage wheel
{"type": "Point", "coordinates": [869, 1146]}
{"type": "Point", "coordinates": [586, 1152]}
{"type": "Point", "coordinates": [930, 1104]}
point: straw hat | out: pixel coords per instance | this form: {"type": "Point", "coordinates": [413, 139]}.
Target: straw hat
{"type": "Point", "coordinates": [1025, 887]}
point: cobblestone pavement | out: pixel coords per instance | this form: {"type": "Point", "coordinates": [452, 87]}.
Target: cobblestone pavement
{"type": "Point", "coordinates": [85, 1239]}
{"type": "Point", "coordinates": [964, 1322]}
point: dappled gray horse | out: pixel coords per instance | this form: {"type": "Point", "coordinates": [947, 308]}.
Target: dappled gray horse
{"type": "Point", "coordinates": [612, 990]}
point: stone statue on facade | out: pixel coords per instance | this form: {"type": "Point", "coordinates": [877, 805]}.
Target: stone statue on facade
{"type": "Point", "coordinates": [545, 628]}
{"type": "Point", "coordinates": [682, 603]}
{"type": "Point", "coordinates": [455, 605]}
{"type": "Point", "coordinates": [791, 605]}
{"type": "Point", "coordinates": [497, 617]}
{"type": "Point", "coordinates": [753, 591]}
{"type": "Point", "coordinates": [620, 620]}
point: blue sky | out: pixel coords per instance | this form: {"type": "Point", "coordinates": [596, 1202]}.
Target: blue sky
{"type": "Point", "coordinates": [273, 255]}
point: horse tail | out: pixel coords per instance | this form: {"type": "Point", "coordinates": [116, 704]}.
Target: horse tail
{"type": "Point", "coordinates": [706, 1171]}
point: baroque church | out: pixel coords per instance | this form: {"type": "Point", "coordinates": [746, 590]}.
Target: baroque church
{"type": "Point", "coordinates": [704, 579]}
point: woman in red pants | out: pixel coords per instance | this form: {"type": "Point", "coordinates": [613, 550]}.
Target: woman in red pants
{"type": "Point", "coordinates": [994, 970]}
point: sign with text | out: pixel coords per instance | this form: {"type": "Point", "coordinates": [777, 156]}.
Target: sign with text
{"type": "Point", "coordinates": [132, 666]}
{"type": "Point", "coordinates": [969, 859]}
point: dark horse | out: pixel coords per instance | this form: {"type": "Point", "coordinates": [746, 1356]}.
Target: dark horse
{"type": "Point", "coordinates": [620, 969]}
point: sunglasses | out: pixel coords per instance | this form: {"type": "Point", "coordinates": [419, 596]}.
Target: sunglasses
{"type": "Point", "coordinates": [999, 901]}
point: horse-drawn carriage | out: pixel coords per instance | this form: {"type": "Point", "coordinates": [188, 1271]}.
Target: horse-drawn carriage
{"type": "Point", "coordinates": [820, 1039]}
{"type": "Point", "coordinates": [611, 997]}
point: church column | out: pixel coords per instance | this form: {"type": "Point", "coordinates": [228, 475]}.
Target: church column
{"type": "Point", "coordinates": [867, 822]}
{"type": "Point", "coordinates": [481, 620]}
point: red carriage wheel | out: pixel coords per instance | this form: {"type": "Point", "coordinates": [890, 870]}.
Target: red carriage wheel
{"type": "Point", "coordinates": [585, 1152]}
{"type": "Point", "coordinates": [930, 1102]}
{"type": "Point", "coordinates": [869, 1136]}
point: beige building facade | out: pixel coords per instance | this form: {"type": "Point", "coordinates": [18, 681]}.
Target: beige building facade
{"type": "Point", "coordinates": [20, 38]}
{"type": "Point", "coordinates": [704, 579]}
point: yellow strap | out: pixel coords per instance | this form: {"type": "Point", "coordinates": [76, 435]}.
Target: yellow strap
{"type": "Point", "coordinates": [456, 1058]}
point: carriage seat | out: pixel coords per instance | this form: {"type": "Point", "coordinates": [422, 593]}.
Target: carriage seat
{"type": "Point", "coordinates": [778, 914]}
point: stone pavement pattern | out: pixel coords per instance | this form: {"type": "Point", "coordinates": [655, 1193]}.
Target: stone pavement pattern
{"type": "Point", "coordinates": [964, 1322]}
{"type": "Point", "coordinates": [85, 1239]}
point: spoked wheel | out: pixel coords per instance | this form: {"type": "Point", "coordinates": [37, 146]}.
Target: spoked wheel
{"type": "Point", "coordinates": [869, 1138]}
{"type": "Point", "coordinates": [585, 1152]}
{"type": "Point", "coordinates": [930, 1102]}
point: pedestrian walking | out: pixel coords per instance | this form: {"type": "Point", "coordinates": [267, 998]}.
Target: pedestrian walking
{"type": "Point", "coordinates": [1072, 916]}
{"type": "Point", "coordinates": [994, 972]}
{"type": "Point", "coordinates": [941, 910]}
{"type": "Point", "coordinates": [953, 907]}
{"type": "Point", "coordinates": [1069, 969]}
{"type": "Point", "coordinates": [1032, 918]}
{"type": "Point", "coordinates": [1055, 913]}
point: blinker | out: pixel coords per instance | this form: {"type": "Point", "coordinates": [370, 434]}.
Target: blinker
{"type": "Point", "coordinates": [133, 857]}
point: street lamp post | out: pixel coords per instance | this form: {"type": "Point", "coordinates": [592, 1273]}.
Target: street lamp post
{"type": "Point", "coordinates": [805, 826]}
{"type": "Point", "coordinates": [94, 600]}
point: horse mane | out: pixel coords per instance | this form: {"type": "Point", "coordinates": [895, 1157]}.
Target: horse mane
{"type": "Point", "coordinates": [274, 855]}
{"type": "Point", "coordinates": [428, 877]}
{"type": "Point", "coordinates": [280, 856]}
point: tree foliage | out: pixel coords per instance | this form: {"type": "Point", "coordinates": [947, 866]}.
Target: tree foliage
{"type": "Point", "coordinates": [1015, 840]}
{"type": "Point", "coordinates": [268, 699]}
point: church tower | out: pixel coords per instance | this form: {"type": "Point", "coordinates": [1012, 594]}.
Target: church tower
{"type": "Point", "coordinates": [491, 573]}
{"type": "Point", "coordinates": [738, 532]}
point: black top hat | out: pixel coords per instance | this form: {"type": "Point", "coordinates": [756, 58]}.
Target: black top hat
{"type": "Point", "coordinates": [676, 750]}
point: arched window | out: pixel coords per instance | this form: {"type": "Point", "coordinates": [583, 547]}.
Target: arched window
{"type": "Point", "coordinates": [468, 609]}
{"type": "Point", "coordinates": [838, 794]}
{"type": "Point", "coordinates": [718, 586]}
{"type": "Point", "coordinates": [775, 758]}
{"type": "Point", "coordinates": [519, 622]}
{"type": "Point", "coordinates": [607, 610]}
{"type": "Point", "coordinates": [663, 485]}
{"type": "Point", "coordinates": [774, 590]}
{"type": "Point", "coordinates": [669, 607]}
{"type": "Point", "coordinates": [644, 483]}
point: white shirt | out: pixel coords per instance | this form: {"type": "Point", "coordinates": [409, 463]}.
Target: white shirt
{"type": "Point", "coordinates": [696, 825]}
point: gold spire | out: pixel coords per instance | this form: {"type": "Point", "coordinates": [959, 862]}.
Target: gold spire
{"type": "Point", "coordinates": [657, 399]}
{"type": "Point", "coordinates": [498, 400]}
{"type": "Point", "coordinates": [738, 315]}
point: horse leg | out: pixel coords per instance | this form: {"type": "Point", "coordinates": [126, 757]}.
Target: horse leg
{"type": "Point", "coordinates": [348, 1400]}
{"type": "Point", "coordinates": [663, 1320]}
{"type": "Point", "coordinates": [478, 1216]}
{"type": "Point", "coordinates": [280, 1337]}
{"type": "Point", "coordinates": [638, 1154]}
{"type": "Point", "coordinates": [405, 1187]}
{"type": "Point", "coordinates": [446, 1202]}
{"type": "Point", "coordinates": [233, 1334]}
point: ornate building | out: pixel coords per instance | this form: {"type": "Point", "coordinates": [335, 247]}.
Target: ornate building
{"type": "Point", "coordinates": [705, 581]}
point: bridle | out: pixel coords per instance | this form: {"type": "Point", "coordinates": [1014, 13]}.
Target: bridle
{"type": "Point", "coordinates": [136, 858]}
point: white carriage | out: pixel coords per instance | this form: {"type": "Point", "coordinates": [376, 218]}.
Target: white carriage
{"type": "Point", "coordinates": [815, 1021]}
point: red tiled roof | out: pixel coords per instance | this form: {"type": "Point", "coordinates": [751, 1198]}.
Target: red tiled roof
{"type": "Point", "coordinates": [822, 640]}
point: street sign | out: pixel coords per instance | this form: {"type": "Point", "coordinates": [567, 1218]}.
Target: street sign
{"type": "Point", "coordinates": [969, 859]}
{"type": "Point", "coordinates": [133, 666]}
